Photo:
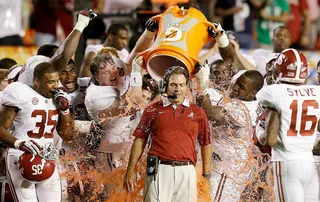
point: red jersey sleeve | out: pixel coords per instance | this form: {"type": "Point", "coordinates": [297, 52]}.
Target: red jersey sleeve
{"type": "Point", "coordinates": [204, 131]}
{"type": "Point", "coordinates": [145, 125]}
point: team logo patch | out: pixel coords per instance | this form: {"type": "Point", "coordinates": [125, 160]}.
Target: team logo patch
{"type": "Point", "coordinates": [35, 101]}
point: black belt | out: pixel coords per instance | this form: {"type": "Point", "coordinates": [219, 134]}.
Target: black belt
{"type": "Point", "coordinates": [176, 163]}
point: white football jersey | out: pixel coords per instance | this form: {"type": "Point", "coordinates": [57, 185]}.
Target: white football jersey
{"type": "Point", "coordinates": [215, 95]}
{"type": "Point", "coordinates": [37, 116]}
{"type": "Point", "coordinates": [261, 57]}
{"type": "Point", "coordinates": [118, 132]}
{"type": "Point", "coordinates": [234, 144]}
{"type": "Point", "coordinates": [123, 54]}
{"type": "Point", "coordinates": [76, 99]}
{"type": "Point", "coordinates": [99, 98]}
{"type": "Point", "coordinates": [299, 112]}
{"type": "Point", "coordinates": [254, 110]}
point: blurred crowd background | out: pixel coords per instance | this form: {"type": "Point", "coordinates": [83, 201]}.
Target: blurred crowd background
{"type": "Point", "coordinates": [37, 22]}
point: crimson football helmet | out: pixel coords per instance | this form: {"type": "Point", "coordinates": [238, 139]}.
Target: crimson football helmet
{"type": "Point", "coordinates": [38, 168]}
{"type": "Point", "coordinates": [291, 66]}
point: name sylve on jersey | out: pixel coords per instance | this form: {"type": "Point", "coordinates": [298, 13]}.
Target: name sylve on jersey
{"type": "Point", "coordinates": [301, 92]}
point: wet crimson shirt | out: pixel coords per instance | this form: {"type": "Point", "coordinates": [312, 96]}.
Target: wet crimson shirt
{"type": "Point", "coordinates": [174, 131]}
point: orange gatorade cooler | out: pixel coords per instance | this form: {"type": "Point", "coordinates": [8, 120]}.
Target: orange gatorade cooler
{"type": "Point", "coordinates": [181, 35]}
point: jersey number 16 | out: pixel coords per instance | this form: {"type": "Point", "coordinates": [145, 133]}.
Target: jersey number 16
{"type": "Point", "coordinates": [304, 117]}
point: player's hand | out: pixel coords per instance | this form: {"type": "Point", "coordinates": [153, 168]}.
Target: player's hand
{"type": "Point", "coordinates": [86, 15]}
{"type": "Point", "coordinates": [216, 31]}
{"type": "Point", "coordinates": [152, 25]}
{"type": "Point", "coordinates": [29, 146]}
{"type": "Point", "coordinates": [203, 74]}
{"type": "Point", "coordinates": [235, 45]}
{"type": "Point", "coordinates": [60, 98]}
{"type": "Point", "coordinates": [130, 181]}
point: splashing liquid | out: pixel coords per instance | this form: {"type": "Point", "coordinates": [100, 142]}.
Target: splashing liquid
{"type": "Point", "coordinates": [247, 170]}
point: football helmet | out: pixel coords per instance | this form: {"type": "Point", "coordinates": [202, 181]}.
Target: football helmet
{"type": "Point", "coordinates": [38, 168]}
{"type": "Point", "coordinates": [291, 66]}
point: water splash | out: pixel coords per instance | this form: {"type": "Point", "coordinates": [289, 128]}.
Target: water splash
{"type": "Point", "coordinates": [247, 167]}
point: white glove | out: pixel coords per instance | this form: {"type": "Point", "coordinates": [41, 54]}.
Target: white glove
{"type": "Point", "coordinates": [219, 34]}
{"type": "Point", "coordinates": [84, 18]}
{"type": "Point", "coordinates": [61, 99]}
{"type": "Point", "coordinates": [29, 146]}
{"type": "Point", "coordinates": [135, 76]}
{"type": "Point", "coordinates": [203, 75]}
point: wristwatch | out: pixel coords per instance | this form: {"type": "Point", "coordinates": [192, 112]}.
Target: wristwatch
{"type": "Point", "coordinates": [207, 176]}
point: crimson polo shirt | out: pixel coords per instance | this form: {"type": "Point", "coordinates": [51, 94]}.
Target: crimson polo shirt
{"type": "Point", "coordinates": [174, 130]}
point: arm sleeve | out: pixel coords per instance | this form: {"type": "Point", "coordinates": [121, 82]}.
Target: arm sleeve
{"type": "Point", "coordinates": [147, 119]}
{"type": "Point", "coordinates": [204, 131]}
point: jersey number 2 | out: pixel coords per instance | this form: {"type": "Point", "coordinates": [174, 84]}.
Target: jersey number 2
{"type": "Point", "coordinates": [304, 118]}
{"type": "Point", "coordinates": [45, 121]}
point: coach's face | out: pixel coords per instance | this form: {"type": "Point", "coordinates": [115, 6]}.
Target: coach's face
{"type": "Point", "coordinates": [177, 85]}
{"type": "Point", "coordinates": [47, 84]}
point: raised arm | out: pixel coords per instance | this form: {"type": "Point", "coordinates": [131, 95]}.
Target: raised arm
{"type": "Point", "coordinates": [70, 44]}
{"type": "Point", "coordinates": [226, 49]}
{"type": "Point", "coordinates": [145, 41]}
{"type": "Point", "coordinates": [244, 62]}
{"type": "Point", "coordinates": [85, 67]}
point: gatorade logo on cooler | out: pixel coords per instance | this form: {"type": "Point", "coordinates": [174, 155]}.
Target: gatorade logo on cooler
{"type": "Point", "coordinates": [181, 36]}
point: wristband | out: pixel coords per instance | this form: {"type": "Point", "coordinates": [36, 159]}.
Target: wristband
{"type": "Point", "coordinates": [17, 144]}
{"type": "Point", "coordinates": [135, 79]}
{"type": "Point", "coordinates": [65, 112]}
{"type": "Point", "coordinates": [80, 26]}
{"type": "Point", "coordinates": [148, 34]}
{"type": "Point", "coordinates": [223, 41]}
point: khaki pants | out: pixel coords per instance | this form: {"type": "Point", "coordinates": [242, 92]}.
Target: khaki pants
{"type": "Point", "coordinates": [172, 184]}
